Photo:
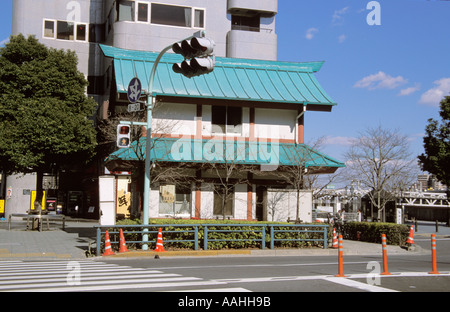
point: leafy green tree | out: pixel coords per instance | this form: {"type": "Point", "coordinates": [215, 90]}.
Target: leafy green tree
{"type": "Point", "coordinates": [44, 109]}
{"type": "Point", "coordinates": [436, 159]}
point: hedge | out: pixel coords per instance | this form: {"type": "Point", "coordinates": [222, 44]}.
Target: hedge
{"type": "Point", "coordinates": [396, 234]}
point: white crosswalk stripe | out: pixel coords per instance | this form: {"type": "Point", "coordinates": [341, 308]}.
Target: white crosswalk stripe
{"type": "Point", "coordinates": [60, 276]}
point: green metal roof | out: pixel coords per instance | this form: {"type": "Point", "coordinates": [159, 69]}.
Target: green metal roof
{"type": "Point", "coordinates": [219, 151]}
{"type": "Point", "coordinates": [232, 79]}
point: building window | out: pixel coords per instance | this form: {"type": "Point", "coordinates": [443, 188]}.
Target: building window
{"type": "Point", "coordinates": [223, 201]}
{"type": "Point", "coordinates": [181, 16]}
{"type": "Point", "coordinates": [49, 29]}
{"type": "Point", "coordinates": [247, 23]}
{"type": "Point", "coordinates": [226, 119]}
{"type": "Point", "coordinates": [81, 32]}
{"type": "Point", "coordinates": [64, 30]}
{"type": "Point", "coordinates": [125, 10]}
{"type": "Point", "coordinates": [174, 200]}
{"type": "Point", "coordinates": [171, 15]}
{"type": "Point", "coordinates": [142, 12]}
{"type": "Point", "coordinates": [199, 18]}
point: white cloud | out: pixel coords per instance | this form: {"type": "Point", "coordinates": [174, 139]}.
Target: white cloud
{"type": "Point", "coordinates": [410, 90]}
{"type": "Point", "coordinates": [338, 18]}
{"type": "Point", "coordinates": [310, 33]}
{"type": "Point", "coordinates": [3, 42]}
{"type": "Point", "coordinates": [338, 140]}
{"type": "Point", "coordinates": [435, 95]}
{"type": "Point", "coordinates": [342, 38]}
{"type": "Point", "coordinates": [380, 80]}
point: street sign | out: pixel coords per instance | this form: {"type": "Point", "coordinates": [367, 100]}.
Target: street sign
{"type": "Point", "coordinates": [134, 107]}
{"type": "Point", "coordinates": [134, 90]}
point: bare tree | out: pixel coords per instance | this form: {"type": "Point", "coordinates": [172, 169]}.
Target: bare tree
{"type": "Point", "coordinates": [307, 165]}
{"type": "Point", "coordinates": [380, 159]}
{"type": "Point", "coordinates": [228, 170]}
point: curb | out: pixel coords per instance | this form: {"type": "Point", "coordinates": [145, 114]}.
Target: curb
{"type": "Point", "coordinates": [169, 253]}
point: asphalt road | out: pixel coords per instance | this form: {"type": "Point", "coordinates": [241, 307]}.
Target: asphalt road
{"type": "Point", "coordinates": [311, 273]}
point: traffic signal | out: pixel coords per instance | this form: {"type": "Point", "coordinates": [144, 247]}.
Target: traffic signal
{"type": "Point", "coordinates": [123, 136]}
{"type": "Point", "coordinates": [197, 54]}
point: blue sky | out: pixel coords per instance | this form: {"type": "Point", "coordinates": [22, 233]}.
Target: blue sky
{"type": "Point", "coordinates": [390, 74]}
{"type": "Point", "coordinates": [393, 74]}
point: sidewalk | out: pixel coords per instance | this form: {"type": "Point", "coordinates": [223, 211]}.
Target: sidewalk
{"type": "Point", "coordinates": [73, 243]}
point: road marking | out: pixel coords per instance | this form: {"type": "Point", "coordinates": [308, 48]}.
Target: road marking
{"type": "Point", "coordinates": [346, 281]}
{"type": "Point", "coordinates": [358, 285]}
{"type": "Point", "coordinates": [256, 265]}
{"type": "Point", "coordinates": [93, 276]}
{"type": "Point", "coordinates": [235, 289]}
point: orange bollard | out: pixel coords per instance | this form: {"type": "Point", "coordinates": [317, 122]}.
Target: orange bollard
{"type": "Point", "coordinates": [410, 239]}
{"type": "Point", "coordinates": [159, 241]}
{"type": "Point", "coordinates": [433, 255]}
{"type": "Point", "coordinates": [123, 245]}
{"type": "Point", "coordinates": [340, 259]}
{"type": "Point", "coordinates": [335, 241]}
{"type": "Point", "coordinates": [385, 263]}
{"type": "Point", "coordinates": [108, 250]}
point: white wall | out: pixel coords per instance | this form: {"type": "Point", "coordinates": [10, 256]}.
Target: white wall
{"type": "Point", "coordinates": [207, 201]}
{"type": "Point", "coordinates": [282, 205]}
{"type": "Point", "coordinates": [18, 202]}
{"type": "Point", "coordinates": [240, 201]}
{"type": "Point", "coordinates": [275, 123]}
{"type": "Point", "coordinates": [174, 119]}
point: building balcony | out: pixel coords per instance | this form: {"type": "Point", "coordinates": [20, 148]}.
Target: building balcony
{"type": "Point", "coordinates": [252, 43]}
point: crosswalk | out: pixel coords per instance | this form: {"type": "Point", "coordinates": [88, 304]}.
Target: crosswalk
{"type": "Point", "coordinates": [86, 275]}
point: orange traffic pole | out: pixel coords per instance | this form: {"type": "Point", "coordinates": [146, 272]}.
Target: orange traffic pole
{"type": "Point", "coordinates": [384, 248]}
{"type": "Point", "coordinates": [433, 255]}
{"type": "Point", "coordinates": [340, 259]}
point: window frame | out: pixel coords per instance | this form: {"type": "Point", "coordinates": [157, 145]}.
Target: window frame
{"type": "Point", "coordinates": [86, 32]}
{"type": "Point", "coordinates": [54, 28]}
{"type": "Point", "coordinates": [226, 132]}
{"type": "Point", "coordinates": [74, 34]}
{"type": "Point", "coordinates": [68, 24]}
{"type": "Point", "coordinates": [133, 13]}
{"type": "Point", "coordinates": [193, 9]}
{"type": "Point", "coordinates": [136, 9]}
{"type": "Point", "coordinates": [193, 17]}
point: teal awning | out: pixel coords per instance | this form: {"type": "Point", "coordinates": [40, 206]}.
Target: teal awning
{"type": "Point", "coordinates": [219, 151]}
{"type": "Point", "coordinates": [232, 79]}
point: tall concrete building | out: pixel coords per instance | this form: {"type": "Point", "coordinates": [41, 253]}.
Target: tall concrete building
{"type": "Point", "coordinates": [240, 28]}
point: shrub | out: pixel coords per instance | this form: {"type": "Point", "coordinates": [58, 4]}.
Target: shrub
{"type": "Point", "coordinates": [396, 234]}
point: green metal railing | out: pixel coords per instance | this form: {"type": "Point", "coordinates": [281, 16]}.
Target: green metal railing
{"type": "Point", "coordinates": [257, 233]}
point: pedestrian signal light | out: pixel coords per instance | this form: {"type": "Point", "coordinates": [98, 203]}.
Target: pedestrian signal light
{"type": "Point", "coordinates": [123, 136]}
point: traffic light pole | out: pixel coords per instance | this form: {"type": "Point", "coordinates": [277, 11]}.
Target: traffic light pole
{"type": "Point", "coordinates": [150, 104]}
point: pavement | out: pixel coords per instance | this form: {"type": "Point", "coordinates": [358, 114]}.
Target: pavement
{"type": "Point", "coordinates": [79, 236]}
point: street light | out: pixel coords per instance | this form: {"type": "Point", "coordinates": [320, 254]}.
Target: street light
{"type": "Point", "coordinates": [197, 54]}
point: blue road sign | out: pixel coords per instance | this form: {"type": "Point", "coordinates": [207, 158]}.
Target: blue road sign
{"type": "Point", "coordinates": [134, 90]}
